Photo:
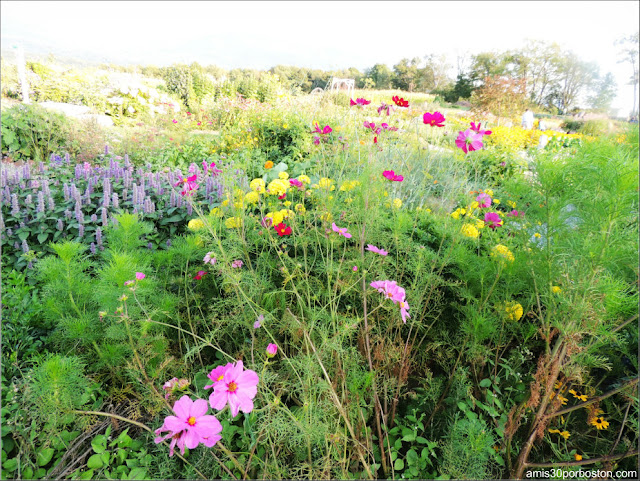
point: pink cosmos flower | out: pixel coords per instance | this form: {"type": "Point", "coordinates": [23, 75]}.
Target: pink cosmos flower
{"type": "Point", "coordinates": [237, 264]}
{"type": "Point", "coordinates": [190, 426]}
{"type": "Point", "coordinates": [258, 323]}
{"type": "Point", "coordinates": [324, 131]}
{"type": "Point", "coordinates": [200, 275]}
{"type": "Point", "coordinates": [217, 375]}
{"type": "Point", "coordinates": [208, 259]}
{"type": "Point", "coordinates": [238, 388]}
{"type": "Point", "coordinates": [211, 167]}
{"type": "Point", "coordinates": [272, 349]}
{"type": "Point", "coordinates": [493, 220]}
{"type": "Point", "coordinates": [296, 183]}
{"type": "Point", "coordinates": [385, 126]}
{"type": "Point", "coordinates": [515, 213]}
{"type": "Point", "coordinates": [469, 141]}
{"type": "Point", "coordinates": [341, 231]}
{"type": "Point", "coordinates": [400, 101]}
{"type": "Point", "coordinates": [476, 128]}
{"type": "Point", "coordinates": [128, 283]}
{"type": "Point", "coordinates": [372, 126]}
{"type": "Point", "coordinates": [390, 289]}
{"type": "Point", "coordinates": [266, 222]}
{"type": "Point", "coordinates": [355, 268]}
{"type": "Point", "coordinates": [188, 184]}
{"type": "Point", "coordinates": [140, 276]}
{"type": "Point", "coordinates": [360, 102]}
{"type": "Point", "coordinates": [316, 140]}
{"type": "Point", "coordinates": [435, 119]}
{"type": "Point", "coordinates": [174, 121]}
{"type": "Point", "coordinates": [484, 200]}
{"type": "Point", "coordinates": [404, 307]}
{"type": "Point", "coordinates": [386, 108]}
{"type": "Point", "coordinates": [377, 250]}
{"type": "Point", "coordinates": [392, 176]}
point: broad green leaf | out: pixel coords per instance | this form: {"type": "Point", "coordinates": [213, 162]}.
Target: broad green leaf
{"type": "Point", "coordinates": [44, 456]}
{"type": "Point", "coordinates": [95, 462]}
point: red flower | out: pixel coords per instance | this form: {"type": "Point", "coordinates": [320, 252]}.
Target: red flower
{"type": "Point", "coordinates": [282, 229]}
{"type": "Point", "coordinates": [435, 119]}
{"type": "Point", "coordinates": [375, 140]}
{"type": "Point", "coordinates": [200, 275]}
{"type": "Point", "coordinates": [280, 197]}
{"type": "Point", "coordinates": [400, 102]}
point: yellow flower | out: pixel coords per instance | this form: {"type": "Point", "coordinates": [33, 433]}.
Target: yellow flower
{"type": "Point", "coordinates": [286, 213]}
{"type": "Point", "coordinates": [503, 252]}
{"type": "Point", "coordinates": [496, 201]}
{"type": "Point", "coordinates": [474, 205]}
{"type": "Point", "coordinates": [514, 310]}
{"type": "Point", "coordinates": [233, 222]}
{"type": "Point", "coordinates": [225, 203]}
{"type": "Point", "coordinates": [458, 212]}
{"type": "Point", "coordinates": [325, 183]}
{"type": "Point", "coordinates": [195, 224]}
{"type": "Point", "coordinates": [511, 204]}
{"type": "Point", "coordinates": [348, 200]}
{"type": "Point", "coordinates": [479, 223]}
{"type": "Point", "coordinates": [563, 400]}
{"type": "Point", "coordinates": [268, 165]}
{"type": "Point", "coordinates": [397, 203]}
{"type": "Point", "coordinates": [285, 126]}
{"type": "Point", "coordinates": [300, 208]}
{"type": "Point", "coordinates": [582, 397]}
{"type": "Point", "coordinates": [304, 179]}
{"type": "Point", "coordinates": [565, 434]}
{"type": "Point", "coordinates": [577, 457]}
{"type": "Point", "coordinates": [327, 217]}
{"type": "Point", "coordinates": [554, 431]}
{"type": "Point", "coordinates": [556, 289]}
{"type": "Point", "coordinates": [216, 212]}
{"type": "Point", "coordinates": [276, 217]}
{"type": "Point", "coordinates": [252, 197]}
{"type": "Point", "coordinates": [257, 185]}
{"type": "Point", "coordinates": [349, 185]}
{"type": "Point", "coordinates": [283, 175]}
{"type": "Point", "coordinates": [600, 423]}
{"type": "Point", "coordinates": [489, 192]}
{"type": "Point", "coordinates": [277, 187]}
{"type": "Point", "coordinates": [469, 231]}
{"type": "Point", "coordinates": [287, 203]}
{"type": "Point", "coordinates": [536, 235]}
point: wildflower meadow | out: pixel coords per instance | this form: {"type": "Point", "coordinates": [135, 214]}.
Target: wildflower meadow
{"type": "Point", "coordinates": [268, 284]}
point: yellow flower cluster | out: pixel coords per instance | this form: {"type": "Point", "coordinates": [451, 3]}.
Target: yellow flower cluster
{"type": "Point", "coordinates": [513, 310]}
{"type": "Point", "coordinates": [324, 183]}
{"type": "Point", "coordinates": [233, 222]}
{"type": "Point", "coordinates": [516, 138]}
{"type": "Point", "coordinates": [564, 434]}
{"type": "Point", "coordinates": [502, 252]}
{"type": "Point", "coordinates": [349, 185]}
{"type": "Point", "coordinates": [278, 187]}
{"type": "Point", "coordinates": [195, 224]}
{"type": "Point", "coordinates": [469, 231]}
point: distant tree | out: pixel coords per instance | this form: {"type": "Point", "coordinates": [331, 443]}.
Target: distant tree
{"type": "Point", "coordinates": [462, 89]}
{"type": "Point", "coordinates": [629, 53]}
{"type": "Point", "coordinates": [381, 76]}
{"type": "Point", "coordinates": [503, 96]}
{"type": "Point", "coordinates": [406, 74]}
{"type": "Point", "coordinates": [574, 75]}
{"type": "Point", "coordinates": [538, 62]}
{"type": "Point", "coordinates": [433, 76]}
{"type": "Point", "coordinates": [604, 91]}
{"type": "Point", "coordinates": [487, 64]}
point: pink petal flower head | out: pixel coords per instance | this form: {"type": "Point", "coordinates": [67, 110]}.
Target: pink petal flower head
{"type": "Point", "coordinates": [360, 102]}
{"type": "Point", "coordinates": [190, 426]}
{"type": "Point", "coordinates": [316, 140]}
{"type": "Point", "coordinates": [272, 349]}
{"type": "Point", "coordinates": [372, 248]}
{"type": "Point", "coordinates": [435, 119]}
{"type": "Point", "coordinates": [237, 264]}
{"type": "Point", "coordinates": [341, 231]}
{"type": "Point", "coordinates": [476, 128]}
{"type": "Point", "coordinates": [515, 213]}
{"type": "Point", "coordinates": [208, 259]}
{"type": "Point", "coordinates": [392, 176]}
{"type": "Point", "coordinates": [326, 130]}
{"type": "Point", "coordinates": [258, 323]}
{"type": "Point", "coordinates": [200, 275]}
{"type": "Point", "coordinates": [173, 385]}
{"type": "Point", "coordinates": [296, 183]}
{"type": "Point", "coordinates": [140, 276]}
{"type": "Point", "coordinates": [128, 283]}
{"type": "Point", "coordinates": [266, 222]}
{"type": "Point", "coordinates": [484, 200]}
{"type": "Point", "coordinates": [355, 268]}
{"type": "Point", "coordinates": [174, 121]}
{"type": "Point", "coordinates": [390, 289]}
{"type": "Point", "coordinates": [404, 308]}
{"type": "Point", "coordinates": [217, 375]}
{"type": "Point", "coordinates": [493, 220]}
{"type": "Point", "coordinates": [469, 141]}
{"type": "Point", "coordinates": [238, 388]}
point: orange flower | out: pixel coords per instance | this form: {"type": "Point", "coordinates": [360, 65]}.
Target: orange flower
{"type": "Point", "coordinates": [268, 164]}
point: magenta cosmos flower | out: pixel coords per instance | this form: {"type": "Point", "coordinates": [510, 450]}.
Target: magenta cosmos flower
{"type": "Point", "coordinates": [217, 375]}
{"type": "Point", "coordinates": [188, 184]}
{"type": "Point", "coordinates": [515, 213]}
{"type": "Point", "coordinates": [341, 231]}
{"type": "Point", "coordinates": [190, 426]}
{"type": "Point", "coordinates": [140, 276]}
{"type": "Point", "coordinates": [360, 102]}
{"type": "Point", "coordinates": [390, 289]}
{"type": "Point", "coordinates": [469, 141]}
{"type": "Point", "coordinates": [237, 387]}
{"type": "Point", "coordinates": [484, 200]}
{"type": "Point", "coordinates": [272, 350]}
{"type": "Point", "coordinates": [377, 250]}
{"type": "Point", "coordinates": [324, 131]}
{"type": "Point", "coordinates": [435, 119]}
{"type": "Point", "coordinates": [476, 128]}
{"type": "Point", "coordinates": [372, 126]}
{"type": "Point", "coordinates": [493, 220]}
{"type": "Point", "coordinates": [392, 176]}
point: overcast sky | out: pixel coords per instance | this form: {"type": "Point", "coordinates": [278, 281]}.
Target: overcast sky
{"type": "Point", "coordinates": [326, 35]}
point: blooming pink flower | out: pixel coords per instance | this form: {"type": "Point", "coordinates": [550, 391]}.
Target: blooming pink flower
{"type": "Point", "coordinates": [296, 183]}
{"type": "Point", "coordinates": [484, 200]}
{"type": "Point", "coordinates": [390, 289]}
{"type": "Point", "coordinates": [341, 231]}
{"type": "Point", "coordinates": [469, 141]}
{"type": "Point", "coordinates": [404, 307]}
{"type": "Point", "coordinates": [258, 323]}
{"type": "Point", "coordinates": [189, 184]}
{"type": "Point", "coordinates": [386, 107]}
{"type": "Point", "coordinates": [200, 275]}
{"type": "Point", "coordinates": [435, 119]}
{"type": "Point", "coordinates": [493, 220]}
{"type": "Point", "coordinates": [316, 140]}
{"type": "Point", "coordinates": [377, 250]}
{"type": "Point", "coordinates": [515, 213]}
{"type": "Point", "coordinates": [392, 176]}
{"type": "Point", "coordinates": [360, 102]}
{"type": "Point", "coordinates": [174, 121]}
{"type": "Point", "coordinates": [237, 264]}
{"type": "Point", "coordinates": [238, 388]}
{"type": "Point", "coordinates": [190, 426]}
{"type": "Point", "coordinates": [272, 349]}
{"type": "Point", "coordinates": [208, 259]}
{"type": "Point", "coordinates": [324, 131]}
{"type": "Point", "coordinates": [476, 128]}
{"type": "Point", "coordinates": [372, 126]}
{"type": "Point", "coordinates": [211, 167]}
{"type": "Point", "coordinates": [140, 276]}
{"type": "Point", "coordinates": [217, 375]}
{"type": "Point", "coordinates": [355, 268]}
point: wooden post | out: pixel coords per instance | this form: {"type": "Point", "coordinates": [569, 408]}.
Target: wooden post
{"type": "Point", "coordinates": [22, 74]}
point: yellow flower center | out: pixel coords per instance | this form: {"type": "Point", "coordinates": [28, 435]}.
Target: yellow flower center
{"type": "Point", "coordinates": [185, 180]}
{"type": "Point", "coordinates": [191, 421]}
{"type": "Point", "coordinates": [232, 387]}
{"type": "Point", "coordinates": [220, 377]}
